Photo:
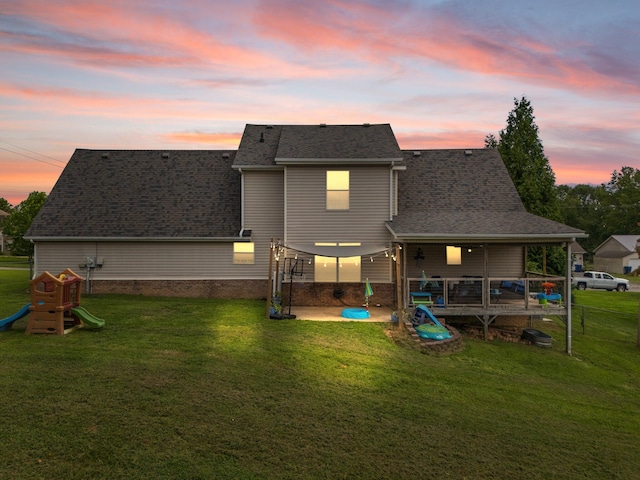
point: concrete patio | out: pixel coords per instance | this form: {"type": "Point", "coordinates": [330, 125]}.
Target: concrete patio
{"type": "Point", "coordinates": [333, 314]}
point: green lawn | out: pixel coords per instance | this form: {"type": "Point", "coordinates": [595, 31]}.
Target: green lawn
{"type": "Point", "coordinates": [11, 261]}
{"type": "Point", "coordinates": [204, 389]}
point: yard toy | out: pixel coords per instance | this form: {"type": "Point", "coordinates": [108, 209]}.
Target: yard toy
{"type": "Point", "coordinates": [428, 326]}
{"type": "Point", "coordinates": [55, 305]}
{"type": "Point", "coordinates": [7, 323]}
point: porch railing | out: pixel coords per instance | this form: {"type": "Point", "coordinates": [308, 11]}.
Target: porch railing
{"type": "Point", "coordinates": [494, 292]}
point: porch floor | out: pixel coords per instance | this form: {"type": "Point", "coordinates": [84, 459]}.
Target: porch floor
{"type": "Point", "coordinates": [533, 310]}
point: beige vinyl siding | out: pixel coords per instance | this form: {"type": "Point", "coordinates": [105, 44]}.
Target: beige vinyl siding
{"type": "Point", "coordinates": [143, 260]}
{"type": "Point", "coordinates": [379, 270]}
{"type": "Point", "coordinates": [263, 214]}
{"type": "Point", "coordinates": [503, 261]}
{"type": "Point", "coordinates": [308, 220]}
{"type": "Point", "coordinates": [506, 261]}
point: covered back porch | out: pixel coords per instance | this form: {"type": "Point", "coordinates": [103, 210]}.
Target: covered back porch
{"type": "Point", "coordinates": [483, 281]}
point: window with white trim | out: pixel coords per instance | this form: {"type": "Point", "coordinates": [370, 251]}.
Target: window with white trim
{"type": "Point", "coordinates": [243, 253]}
{"type": "Point", "coordinates": [337, 190]}
{"type": "Point", "coordinates": [337, 269]}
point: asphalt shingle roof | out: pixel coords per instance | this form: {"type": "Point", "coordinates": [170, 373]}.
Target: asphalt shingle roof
{"type": "Point", "coordinates": [375, 141]}
{"type": "Point", "coordinates": [252, 151]}
{"type": "Point", "coordinates": [338, 142]}
{"type": "Point", "coordinates": [453, 193]}
{"type": "Point", "coordinates": [142, 194]}
{"type": "Point", "coordinates": [194, 194]}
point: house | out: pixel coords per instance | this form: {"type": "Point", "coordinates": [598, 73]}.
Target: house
{"type": "Point", "coordinates": [577, 257]}
{"type": "Point", "coordinates": [314, 210]}
{"type": "Point", "coordinates": [617, 254]}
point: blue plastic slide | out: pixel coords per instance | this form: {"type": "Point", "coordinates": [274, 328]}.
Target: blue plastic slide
{"type": "Point", "coordinates": [428, 326]}
{"type": "Point", "coordinates": [7, 323]}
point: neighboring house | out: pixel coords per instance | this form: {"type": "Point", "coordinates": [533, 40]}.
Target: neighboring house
{"type": "Point", "coordinates": [3, 238]}
{"type": "Point", "coordinates": [577, 257]}
{"type": "Point", "coordinates": [321, 208]}
{"type": "Point", "coordinates": [617, 254]}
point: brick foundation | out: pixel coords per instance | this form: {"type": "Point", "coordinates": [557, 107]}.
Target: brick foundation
{"type": "Point", "coordinates": [338, 294]}
{"type": "Point", "coordinates": [249, 289]}
{"type": "Point", "coordinates": [500, 321]}
{"type": "Point", "coordinates": [308, 294]}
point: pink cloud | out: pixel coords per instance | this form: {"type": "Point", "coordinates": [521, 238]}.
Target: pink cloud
{"type": "Point", "coordinates": [98, 104]}
{"type": "Point", "coordinates": [125, 34]}
{"type": "Point", "coordinates": [383, 35]}
{"type": "Point", "coordinates": [443, 139]}
{"type": "Point", "coordinates": [220, 140]}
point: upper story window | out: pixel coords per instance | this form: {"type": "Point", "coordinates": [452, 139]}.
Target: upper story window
{"type": "Point", "coordinates": [338, 190]}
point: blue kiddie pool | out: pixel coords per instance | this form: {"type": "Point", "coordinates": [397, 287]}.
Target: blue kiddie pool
{"type": "Point", "coordinates": [355, 313]}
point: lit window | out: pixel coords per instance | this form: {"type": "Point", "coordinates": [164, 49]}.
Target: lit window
{"type": "Point", "coordinates": [325, 269]}
{"type": "Point", "coordinates": [454, 255]}
{"type": "Point", "coordinates": [340, 269]}
{"type": "Point", "coordinates": [337, 190]}
{"type": "Point", "coordinates": [337, 269]}
{"type": "Point", "coordinates": [243, 253]}
{"type": "Point", "coordinates": [349, 269]}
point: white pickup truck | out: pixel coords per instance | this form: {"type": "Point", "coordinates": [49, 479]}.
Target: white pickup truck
{"type": "Point", "coordinates": [601, 280]}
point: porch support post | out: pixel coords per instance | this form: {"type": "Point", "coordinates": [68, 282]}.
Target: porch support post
{"type": "Point", "coordinates": [486, 321]}
{"type": "Point", "coordinates": [399, 295]}
{"type": "Point", "coordinates": [269, 279]}
{"type": "Point", "coordinates": [638, 335]}
{"type": "Point", "coordinates": [486, 297]}
{"type": "Point", "coordinates": [567, 283]}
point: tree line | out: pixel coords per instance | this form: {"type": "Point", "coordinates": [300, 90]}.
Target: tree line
{"type": "Point", "coordinates": [16, 224]}
{"type": "Point", "coordinates": [611, 208]}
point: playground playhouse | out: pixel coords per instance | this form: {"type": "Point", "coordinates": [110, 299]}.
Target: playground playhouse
{"type": "Point", "coordinates": [55, 305]}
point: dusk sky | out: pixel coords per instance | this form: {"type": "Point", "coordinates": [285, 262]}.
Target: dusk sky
{"type": "Point", "coordinates": [189, 74]}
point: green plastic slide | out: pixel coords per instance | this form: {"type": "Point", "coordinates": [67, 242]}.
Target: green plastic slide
{"type": "Point", "coordinates": [90, 321]}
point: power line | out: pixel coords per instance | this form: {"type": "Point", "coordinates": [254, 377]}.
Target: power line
{"type": "Point", "coordinates": [32, 158]}
{"type": "Point", "coordinates": [30, 151]}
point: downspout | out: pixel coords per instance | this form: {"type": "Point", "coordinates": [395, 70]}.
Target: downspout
{"type": "Point", "coordinates": [241, 200]}
{"type": "Point", "coordinates": [285, 195]}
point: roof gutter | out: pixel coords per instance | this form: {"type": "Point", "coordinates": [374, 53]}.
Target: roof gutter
{"type": "Point", "coordinates": [339, 161]}
{"type": "Point", "coordinates": [142, 239]}
{"type": "Point", "coordinates": [439, 237]}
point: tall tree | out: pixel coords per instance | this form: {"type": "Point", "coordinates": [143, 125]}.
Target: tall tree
{"type": "Point", "coordinates": [523, 155]}
{"type": "Point", "coordinates": [624, 189]}
{"type": "Point", "coordinates": [585, 207]}
{"type": "Point", "coordinates": [5, 206]}
{"type": "Point", "coordinates": [18, 222]}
